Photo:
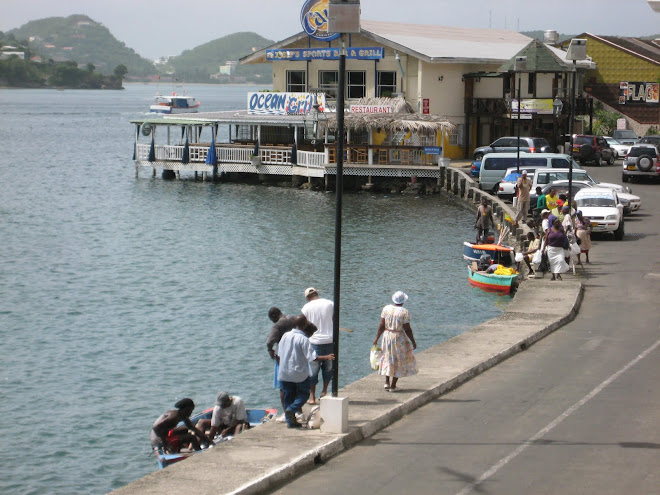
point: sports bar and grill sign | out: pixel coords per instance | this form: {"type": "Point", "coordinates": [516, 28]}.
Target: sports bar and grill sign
{"type": "Point", "coordinates": [638, 93]}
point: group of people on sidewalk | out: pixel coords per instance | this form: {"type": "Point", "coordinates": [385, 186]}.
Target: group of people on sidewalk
{"type": "Point", "coordinates": [302, 345]}
{"type": "Point", "coordinates": [564, 233]}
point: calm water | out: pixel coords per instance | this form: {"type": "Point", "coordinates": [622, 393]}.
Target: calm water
{"type": "Point", "coordinates": [120, 296]}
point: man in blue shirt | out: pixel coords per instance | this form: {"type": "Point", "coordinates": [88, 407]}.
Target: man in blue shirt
{"type": "Point", "coordinates": [295, 353]}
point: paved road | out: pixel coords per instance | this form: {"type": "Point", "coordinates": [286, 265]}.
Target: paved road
{"type": "Point", "coordinates": [578, 412]}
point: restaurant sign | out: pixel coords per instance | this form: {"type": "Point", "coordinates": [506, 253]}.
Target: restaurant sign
{"type": "Point", "coordinates": [370, 109]}
{"type": "Point", "coordinates": [314, 20]}
{"type": "Point", "coordinates": [541, 106]}
{"type": "Point", "coordinates": [636, 93]}
{"type": "Point", "coordinates": [263, 103]}
{"type": "Point", "coordinates": [358, 53]}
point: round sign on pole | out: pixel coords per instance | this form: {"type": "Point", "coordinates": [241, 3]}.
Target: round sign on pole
{"type": "Point", "coordinates": [314, 20]}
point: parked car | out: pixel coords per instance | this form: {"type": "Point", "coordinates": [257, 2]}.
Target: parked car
{"type": "Point", "coordinates": [475, 168]}
{"type": "Point", "coordinates": [641, 161]}
{"type": "Point", "coordinates": [625, 136]}
{"type": "Point", "coordinates": [543, 178]}
{"type": "Point", "coordinates": [653, 139]}
{"type": "Point", "coordinates": [494, 166]}
{"type": "Point", "coordinates": [603, 208]}
{"type": "Point", "coordinates": [510, 144]}
{"type": "Point", "coordinates": [508, 184]}
{"type": "Point", "coordinates": [588, 148]}
{"type": "Point", "coordinates": [620, 150]}
{"type": "Point", "coordinates": [630, 201]}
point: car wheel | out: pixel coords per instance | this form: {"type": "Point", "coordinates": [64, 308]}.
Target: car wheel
{"type": "Point", "coordinates": [624, 178]}
{"type": "Point", "coordinates": [478, 157]}
{"type": "Point", "coordinates": [611, 160]}
{"type": "Point", "coordinates": [619, 232]}
{"type": "Point", "coordinates": [644, 163]}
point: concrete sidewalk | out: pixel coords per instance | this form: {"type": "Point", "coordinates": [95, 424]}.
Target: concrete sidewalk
{"type": "Point", "coordinates": [266, 457]}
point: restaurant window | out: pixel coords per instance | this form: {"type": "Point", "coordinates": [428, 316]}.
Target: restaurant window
{"type": "Point", "coordinates": [328, 82]}
{"type": "Point", "coordinates": [531, 83]}
{"type": "Point", "coordinates": [296, 81]}
{"type": "Point", "coordinates": [356, 84]}
{"type": "Point", "coordinates": [386, 83]}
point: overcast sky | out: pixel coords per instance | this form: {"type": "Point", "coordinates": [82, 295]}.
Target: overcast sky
{"type": "Point", "coordinates": [155, 28]}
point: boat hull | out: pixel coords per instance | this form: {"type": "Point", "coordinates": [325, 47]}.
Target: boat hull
{"type": "Point", "coordinates": [491, 282]}
{"type": "Point", "coordinates": [501, 255]}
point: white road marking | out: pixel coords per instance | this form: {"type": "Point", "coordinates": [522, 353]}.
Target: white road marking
{"type": "Point", "coordinates": [505, 460]}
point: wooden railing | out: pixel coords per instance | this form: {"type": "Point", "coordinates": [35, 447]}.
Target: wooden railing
{"type": "Point", "coordinates": [382, 155]}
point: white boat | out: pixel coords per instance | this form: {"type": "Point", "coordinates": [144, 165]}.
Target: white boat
{"type": "Point", "coordinates": [174, 103]}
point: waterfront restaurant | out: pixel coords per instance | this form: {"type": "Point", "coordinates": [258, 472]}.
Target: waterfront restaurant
{"type": "Point", "coordinates": [410, 98]}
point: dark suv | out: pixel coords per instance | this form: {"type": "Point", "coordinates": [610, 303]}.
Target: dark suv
{"type": "Point", "coordinates": [653, 139]}
{"type": "Point", "coordinates": [587, 148]}
{"type": "Point", "coordinates": [510, 145]}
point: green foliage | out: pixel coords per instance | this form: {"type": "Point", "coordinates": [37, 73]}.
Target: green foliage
{"type": "Point", "coordinates": [605, 122]}
{"type": "Point", "coordinates": [198, 64]}
{"type": "Point", "coordinates": [87, 41]}
{"type": "Point", "coordinates": [120, 71]}
{"type": "Point", "coordinates": [652, 131]}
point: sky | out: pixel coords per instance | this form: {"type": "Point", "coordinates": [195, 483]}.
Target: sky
{"type": "Point", "coordinates": [157, 28]}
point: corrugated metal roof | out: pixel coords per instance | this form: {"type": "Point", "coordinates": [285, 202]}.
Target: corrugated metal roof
{"type": "Point", "coordinates": [433, 44]}
{"type": "Point", "coordinates": [451, 44]}
{"type": "Point", "coordinates": [240, 117]}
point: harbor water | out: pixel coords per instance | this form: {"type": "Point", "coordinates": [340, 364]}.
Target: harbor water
{"type": "Point", "coordinates": [119, 296]}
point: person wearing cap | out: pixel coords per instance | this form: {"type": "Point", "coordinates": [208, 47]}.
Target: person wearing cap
{"type": "Point", "coordinates": [281, 324]}
{"type": "Point", "coordinates": [523, 187]}
{"type": "Point", "coordinates": [545, 221]}
{"type": "Point", "coordinates": [229, 416]}
{"type": "Point", "coordinates": [397, 359]}
{"type": "Point", "coordinates": [167, 436]}
{"type": "Point", "coordinates": [320, 312]}
{"type": "Point", "coordinates": [296, 354]}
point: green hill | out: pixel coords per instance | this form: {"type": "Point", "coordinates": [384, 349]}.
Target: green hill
{"type": "Point", "coordinates": [78, 38]}
{"type": "Point", "coordinates": [198, 64]}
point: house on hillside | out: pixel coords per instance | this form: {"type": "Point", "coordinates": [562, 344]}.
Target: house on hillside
{"type": "Point", "coordinates": [626, 78]}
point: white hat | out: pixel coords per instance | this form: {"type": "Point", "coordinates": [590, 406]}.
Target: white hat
{"type": "Point", "coordinates": [524, 172]}
{"type": "Point", "coordinates": [399, 297]}
{"type": "Point", "coordinates": [310, 290]}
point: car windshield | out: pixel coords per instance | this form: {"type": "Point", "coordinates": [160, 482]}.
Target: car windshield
{"type": "Point", "coordinates": [626, 134]}
{"type": "Point", "coordinates": [595, 201]}
{"type": "Point", "coordinates": [582, 140]}
{"type": "Point", "coordinates": [650, 139]}
{"type": "Point", "coordinates": [637, 151]}
{"type": "Point", "coordinates": [612, 140]}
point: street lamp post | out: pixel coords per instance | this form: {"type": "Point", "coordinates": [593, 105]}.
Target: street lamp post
{"type": "Point", "coordinates": [343, 17]}
{"type": "Point", "coordinates": [520, 65]}
{"type": "Point", "coordinates": [577, 50]}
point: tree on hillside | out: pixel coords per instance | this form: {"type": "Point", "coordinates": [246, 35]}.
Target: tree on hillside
{"type": "Point", "coordinates": [120, 71]}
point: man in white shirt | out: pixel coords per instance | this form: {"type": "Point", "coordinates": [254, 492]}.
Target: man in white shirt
{"type": "Point", "coordinates": [296, 353]}
{"type": "Point", "coordinates": [229, 416]}
{"type": "Point", "coordinates": [320, 312]}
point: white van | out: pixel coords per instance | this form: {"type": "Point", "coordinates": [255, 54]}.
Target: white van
{"type": "Point", "coordinates": [494, 165]}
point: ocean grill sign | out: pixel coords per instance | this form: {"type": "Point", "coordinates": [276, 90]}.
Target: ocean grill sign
{"type": "Point", "coordinates": [314, 20]}
{"type": "Point", "coordinates": [357, 53]}
{"type": "Point", "coordinates": [632, 93]}
{"type": "Point", "coordinates": [283, 103]}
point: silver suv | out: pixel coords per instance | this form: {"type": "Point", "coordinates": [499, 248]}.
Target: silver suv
{"type": "Point", "coordinates": [641, 160]}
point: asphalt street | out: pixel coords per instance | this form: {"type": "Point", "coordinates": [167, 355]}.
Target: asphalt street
{"type": "Point", "coordinates": [578, 412]}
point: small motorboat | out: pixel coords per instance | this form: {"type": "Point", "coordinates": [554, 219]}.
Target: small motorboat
{"type": "Point", "coordinates": [501, 255]}
{"type": "Point", "coordinates": [174, 104]}
{"type": "Point", "coordinates": [255, 417]}
{"type": "Point", "coordinates": [491, 282]}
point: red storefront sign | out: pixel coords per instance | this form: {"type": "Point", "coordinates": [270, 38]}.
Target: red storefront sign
{"type": "Point", "coordinates": [425, 105]}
